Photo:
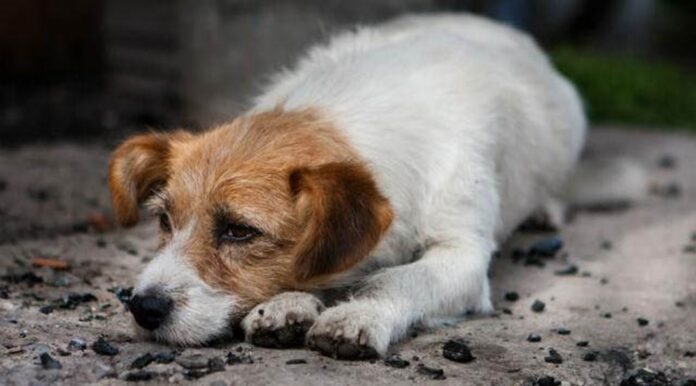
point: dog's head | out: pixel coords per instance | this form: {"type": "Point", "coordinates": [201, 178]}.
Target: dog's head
{"type": "Point", "coordinates": [271, 202]}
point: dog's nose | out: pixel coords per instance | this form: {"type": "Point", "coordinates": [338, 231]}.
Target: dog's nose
{"type": "Point", "coordinates": [151, 310]}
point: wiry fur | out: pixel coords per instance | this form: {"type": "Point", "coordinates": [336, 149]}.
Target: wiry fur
{"type": "Point", "coordinates": [461, 124]}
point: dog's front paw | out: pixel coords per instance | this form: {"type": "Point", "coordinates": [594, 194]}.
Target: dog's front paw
{"type": "Point", "coordinates": [282, 321]}
{"type": "Point", "coordinates": [350, 331]}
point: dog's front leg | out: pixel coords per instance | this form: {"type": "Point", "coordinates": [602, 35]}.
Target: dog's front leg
{"type": "Point", "coordinates": [449, 279]}
{"type": "Point", "coordinates": [283, 320]}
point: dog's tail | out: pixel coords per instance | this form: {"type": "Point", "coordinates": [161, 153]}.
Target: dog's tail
{"type": "Point", "coordinates": [607, 183]}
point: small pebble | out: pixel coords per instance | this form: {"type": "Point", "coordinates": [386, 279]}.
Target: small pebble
{"type": "Point", "coordinates": [456, 350]}
{"type": "Point", "coordinates": [165, 357]}
{"type": "Point", "coordinates": [642, 322]}
{"type": "Point", "coordinates": [563, 331]}
{"type": "Point", "coordinates": [606, 245]}
{"type": "Point", "coordinates": [538, 306]}
{"type": "Point", "coordinates": [547, 247]}
{"type": "Point", "coordinates": [432, 373]}
{"type": "Point", "coordinates": [690, 354]}
{"type": "Point", "coordinates": [606, 315]}
{"type": "Point", "coordinates": [567, 271]}
{"type": "Point", "coordinates": [48, 363]}
{"type": "Point", "coordinates": [583, 343]}
{"type": "Point", "coordinates": [46, 309]}
{"type": "Point", "coordinates": [102, 347]}
{"type": "Point", "coordinates": [77, 344]}
{"type": "Point", "coordinates": [667, 161]}
{"type": "Point", "coordinates": [233, 359]}
{"type": "Point", "coordinates": [534, 338]}
{"type": "Point", "coordinates": [142, 361]}
{"type": "Point", "coordinates": [590, 356]}
{"type": "Point", "coordinates": [140, 376]}
{"type": "Point", "coordinates": [297, 362]}
{"type": "Point", "coordinates": [553, 357]}
{"type": "Point", "coordinates": [512, 296]}
{"type": "Point", "coordinates": [548, 381]}
{"type": "Point", "coordinates": [396, 361]}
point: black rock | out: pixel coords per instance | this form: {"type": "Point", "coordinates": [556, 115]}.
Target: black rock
{"type": "Point", "coordinates": [296, 362]}
{"type": "Point", "coordinates": [667, 161]}
{"type": "Point", "coordinates": [644, 377]}
{"type": "Point", "coordinates": [547, 247]}
{"type": "Point", "coordinates": [538, 306]}
{"type": "Point", "coordinates": [606, 245]}
{"type": "Point", "coordinates": [553, 357]}
{"type": "Point", "coordinates": [432, 373]}
{"type": "Point", "coordinates": [547, 381]}
{"type": "Point", "coordinates": [140, 375]}
{"type": "Point", "coordinates": [396, 361]}
{"type": "Point", "coordinates": [517, 255]}
{"type": "Point", "coordinates": [563, 331]}
{"type": "Point", "coordinates": [690, 354]}
{"type": "Point", "coordinates": [537, 225]}
{"type": "Point", "coordinates": [3, 185]}
{"type": "Point", "coordinates": [534, 338]}
{"type": "Point", "coordinates": [216, 364]}
{"type": "Point", "coordinates": [512, 296]}
{"type": "Point", "coordinates": [102, 347]}
{"type": "Point", "coordinates": [590, 356]}
{"type": "Point", "coordinates": [533, 261]}
{"type": "Point", "coordinates": [124, 295]}
{"type": "Point", "coordinates": [567, 271]}
{"type": "Point", "coordinates": [456, 350]}
{"type": "Point", "coordinates": [165, 357]}
{"type": "Point", "coordinates": [77, 344]}
{"type": "Point", "coordinates": [606, 315]}
{"type": "Point", "coordinates": [48, 363]}
{"type": "Point", "coordinates": [72, 300]}
{"type": "Point", "coordinates": [642, 322]}
{"type": "Point", "coordinates": [47, 309]}
{"type": "Point", "coordinates": [142, 361]}
{"type": "Point", "coordinates": [233, 359]}
{"type": "Point", "coordinates": [583, 343]}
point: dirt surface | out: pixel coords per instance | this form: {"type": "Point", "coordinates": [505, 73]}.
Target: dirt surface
{"type": "Point", "coordinates": [627, 314]}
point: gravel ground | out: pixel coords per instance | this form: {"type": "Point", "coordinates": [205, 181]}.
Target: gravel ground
{"type": "Point", "coordinates": [626, 314]}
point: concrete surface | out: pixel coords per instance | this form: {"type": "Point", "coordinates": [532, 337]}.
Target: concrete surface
{"type": "Point", "coordinates": [647, 271]}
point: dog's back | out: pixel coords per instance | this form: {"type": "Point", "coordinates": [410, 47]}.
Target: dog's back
{"type": "Point", "coordinates": [435, 102]}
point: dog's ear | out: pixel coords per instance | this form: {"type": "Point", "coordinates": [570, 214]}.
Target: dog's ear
{"type": "Point", "coordinates": [342, 215]}
{"type": "Point", "coordinates": [137, 169]}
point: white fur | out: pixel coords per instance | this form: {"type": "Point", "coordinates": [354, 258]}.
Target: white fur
{"type": "Point", "coordinates": [201, 313]}
{"type": "Point", "coordinates": [467, 129]}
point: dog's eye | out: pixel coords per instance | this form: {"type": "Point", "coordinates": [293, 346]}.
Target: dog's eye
{"type": "Point", "coordinates": [164, 223]}
{"type": "Point", "coordinates": [237, 233]}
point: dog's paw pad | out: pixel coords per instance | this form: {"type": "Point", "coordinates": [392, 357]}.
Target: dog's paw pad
{"type": "Point", "coordinates": [282, 321]}
{"type": "Point", "coordinates": [290, 335]}
{"type": "Point", "coordinates": [344, 333]}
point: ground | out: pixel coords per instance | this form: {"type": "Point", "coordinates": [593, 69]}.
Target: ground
{"type": "Point", "coordinates": [634, 263]}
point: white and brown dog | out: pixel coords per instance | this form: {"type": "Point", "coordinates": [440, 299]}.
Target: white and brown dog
{"type": "Point", "coordinates": [389, 162]}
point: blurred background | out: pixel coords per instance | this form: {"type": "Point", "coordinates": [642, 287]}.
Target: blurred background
{"type": "Point", "coordinates": [97, 70]}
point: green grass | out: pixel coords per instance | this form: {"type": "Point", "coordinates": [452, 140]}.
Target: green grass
{"type": "Point", "coordinates": [631, 91]}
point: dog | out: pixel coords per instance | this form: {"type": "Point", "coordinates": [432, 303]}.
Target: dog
{"type": "Point", "coordinates": [387, 165]}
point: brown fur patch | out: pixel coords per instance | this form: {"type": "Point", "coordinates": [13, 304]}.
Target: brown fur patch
{"type": "Point", "coordinates": [344, 216]}
{"type": "Point", "coordinates": [245, 169]}
{"type": "Point", "coordinates": [136, 169]}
